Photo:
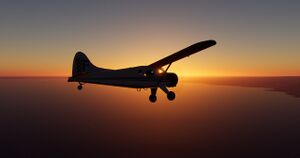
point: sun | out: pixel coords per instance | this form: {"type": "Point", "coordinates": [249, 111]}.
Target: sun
{"type": "Point", "coordinates": [160, 71]}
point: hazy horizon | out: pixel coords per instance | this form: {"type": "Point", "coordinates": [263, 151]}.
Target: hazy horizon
{"type": "Point", "coordinates": [181, 76]}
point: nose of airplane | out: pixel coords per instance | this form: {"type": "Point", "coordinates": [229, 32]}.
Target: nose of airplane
{"type": "Point", "coordinates": [171, 79]}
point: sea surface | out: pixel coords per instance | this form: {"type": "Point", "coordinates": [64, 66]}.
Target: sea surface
{"type": "Point", "coordinates": [210, 117]}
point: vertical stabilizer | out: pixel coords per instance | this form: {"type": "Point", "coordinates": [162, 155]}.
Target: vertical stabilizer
{"type": "Point", "coordinates": [81, 65]}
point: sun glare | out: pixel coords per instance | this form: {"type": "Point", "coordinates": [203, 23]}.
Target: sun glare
{"type": "Point", "coordinates": [160, 71]}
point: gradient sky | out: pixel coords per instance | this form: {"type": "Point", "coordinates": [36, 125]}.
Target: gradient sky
{"type": "Point", "coordinates": [39, 37]}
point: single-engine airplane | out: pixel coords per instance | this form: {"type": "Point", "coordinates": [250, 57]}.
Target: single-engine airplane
{"type": "Point", "coordinates": [151, 76]}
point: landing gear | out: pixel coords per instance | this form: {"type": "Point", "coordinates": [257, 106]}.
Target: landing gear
{"type": "Point", "coordinates": [80, 86]}
{"type": "Point", "coordinates": [171, 95]}
{"type": "Point", "coordinates": [153, 97]}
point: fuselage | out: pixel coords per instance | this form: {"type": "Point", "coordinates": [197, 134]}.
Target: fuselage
{"type": "Point", "coordinates": [134, 77]}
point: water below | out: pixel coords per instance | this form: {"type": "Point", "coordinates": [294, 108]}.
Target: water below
{"type": "Point", "coordinates": [48, 117]}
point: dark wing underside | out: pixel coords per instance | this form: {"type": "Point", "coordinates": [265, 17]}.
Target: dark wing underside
{"type": "Point", "coordinates": [183, 53]}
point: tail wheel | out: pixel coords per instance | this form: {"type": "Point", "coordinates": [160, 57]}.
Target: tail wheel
{"type": "Point", "coordinates": [171, 95]}
{"type": "Point", "coordinates": [152, 98]}
{"type": "Point", "coordinates": [79, 87]}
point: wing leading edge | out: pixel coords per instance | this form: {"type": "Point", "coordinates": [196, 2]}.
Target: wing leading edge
{"type": "Point", "coordinates": [184, 53]}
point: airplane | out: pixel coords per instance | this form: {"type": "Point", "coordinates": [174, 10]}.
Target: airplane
{"type": "Point", "coordinates": [151, 76]}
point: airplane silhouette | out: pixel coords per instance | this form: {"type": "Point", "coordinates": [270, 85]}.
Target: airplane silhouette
{"type": "Point", "coordinates": [151, 76]}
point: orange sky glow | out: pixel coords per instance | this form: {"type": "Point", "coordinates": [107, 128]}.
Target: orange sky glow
{"type": "Point", "coordinates": [42, 39]}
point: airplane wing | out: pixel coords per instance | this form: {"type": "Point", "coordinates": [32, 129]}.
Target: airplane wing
{"type": "Point", "coordinates": [183, 53]}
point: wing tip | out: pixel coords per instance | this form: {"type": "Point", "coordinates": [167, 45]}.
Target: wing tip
{"type": "Point", "coordinates": [209, 42]}
{"type": "Point", "coordinates": [204, 44]}
{"type": "Point", "coordinates": [213, 42]}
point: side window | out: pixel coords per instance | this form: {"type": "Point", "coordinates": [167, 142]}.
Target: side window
{"type": "Point", "coordinates": [149, 73]}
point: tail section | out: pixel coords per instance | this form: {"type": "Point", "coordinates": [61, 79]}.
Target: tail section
{"type": "Point", "coordinates": [81, 65]}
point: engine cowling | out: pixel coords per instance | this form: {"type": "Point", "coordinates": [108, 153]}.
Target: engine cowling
{"type": "Point", "coordinates": [171, 79]}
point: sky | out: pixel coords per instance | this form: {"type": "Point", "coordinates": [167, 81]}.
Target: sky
{"type": "Point", "coordinates": [257, 37]}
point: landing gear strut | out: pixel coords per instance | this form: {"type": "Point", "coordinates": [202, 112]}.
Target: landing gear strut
{"type": "Point", "coordinates": [153, 97]}
{"type": "Point", "coordinates": [170, 95]}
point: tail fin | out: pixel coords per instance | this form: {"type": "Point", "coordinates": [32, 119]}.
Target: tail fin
{"type": "Point", "coordinates": [81, 65]}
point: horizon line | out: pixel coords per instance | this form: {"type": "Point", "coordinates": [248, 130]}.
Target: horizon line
{"type": "Point", "coordinates": [212, 76]}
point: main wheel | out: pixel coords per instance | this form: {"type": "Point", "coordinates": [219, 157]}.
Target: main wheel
{"type": "Point", "coordinates": [152, 98]}
{"type": "Point", "coordinates": [171, 95]}
{"type": "Point", "coordinates": [79, 87]}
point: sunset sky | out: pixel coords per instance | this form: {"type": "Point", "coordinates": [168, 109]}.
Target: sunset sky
{"type": "Point", "coordinates": [39, 37]}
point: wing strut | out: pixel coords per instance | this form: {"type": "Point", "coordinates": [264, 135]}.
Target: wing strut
{"type": "Point", "coordinates": [168, 67]}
